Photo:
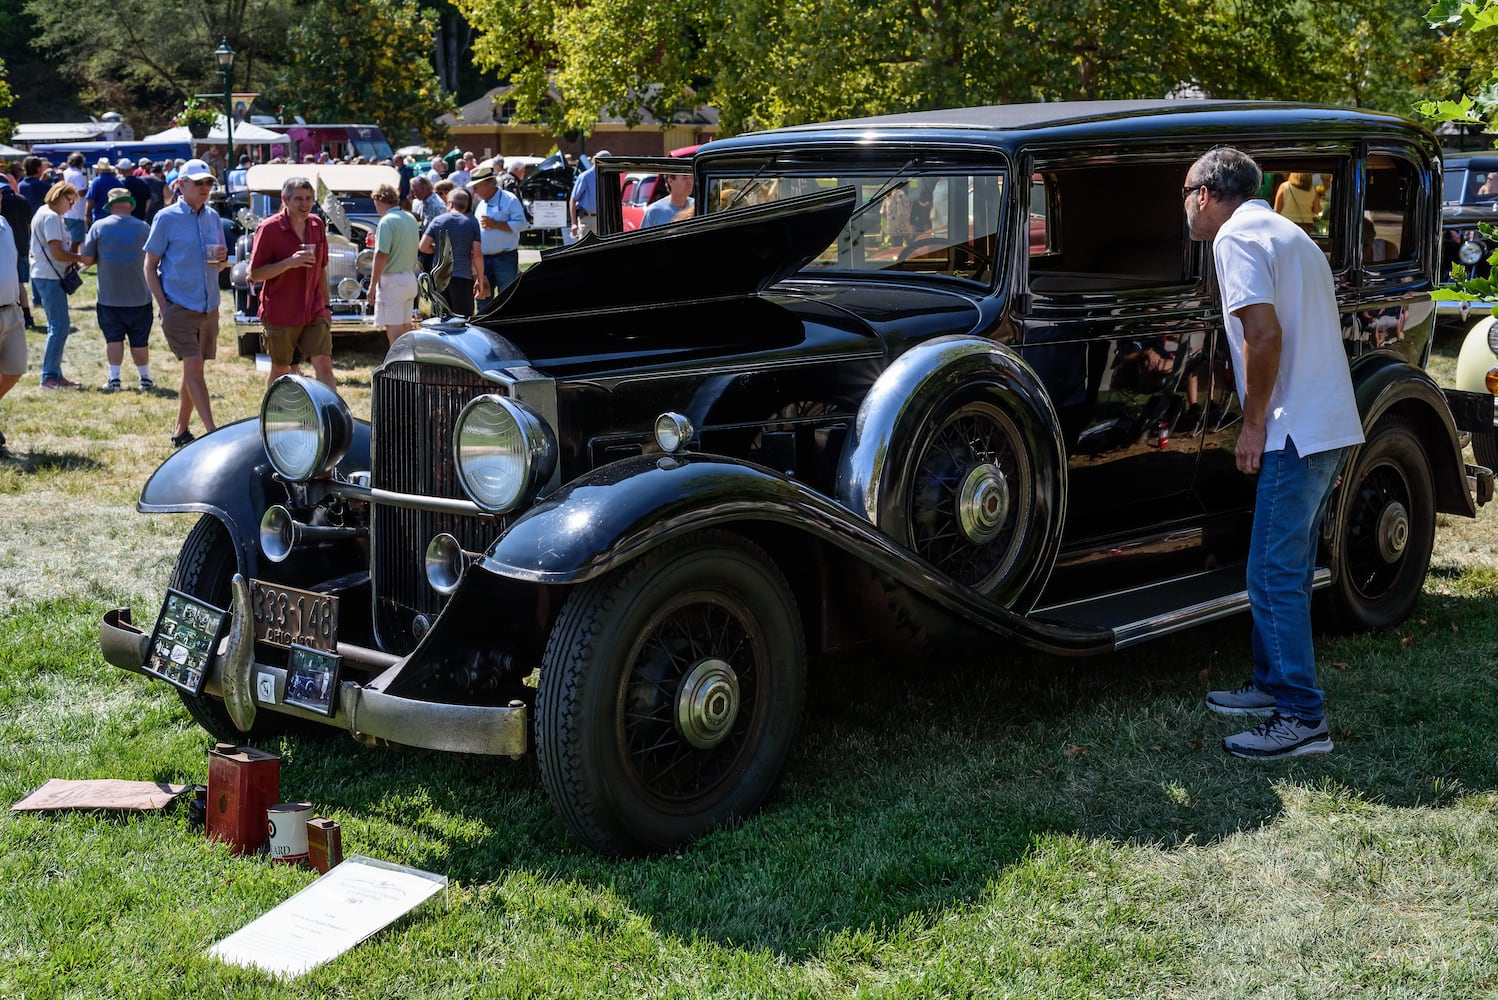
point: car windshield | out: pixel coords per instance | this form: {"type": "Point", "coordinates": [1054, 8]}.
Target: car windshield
{"type": "Point", "coordinates": [931, 222]}
{"type": "Point", "coordinates": [1469, 184]}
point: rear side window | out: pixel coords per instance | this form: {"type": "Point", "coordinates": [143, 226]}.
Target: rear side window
{"type": "Point", "coordinates": [1389, 212]}
{"type": "Point", "coordinates": [1310, 191]}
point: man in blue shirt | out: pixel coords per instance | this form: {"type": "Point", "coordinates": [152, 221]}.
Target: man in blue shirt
{"type": "Point", "coordinates": [584, 201]}
{"type": "Point", "coordinates": [457, 228]}
{"type": "Point", "coordinates": [35, 184]}
{"type": "Point", "coordinates": [183, 254]}
{"type": "Point", "coordinates": [669, 209]}
{"type": "Point", "coordinates": [138, 188]}
{"type": "Point", "coordinates": [501, 220]}
{"type": "Point", "coordinates": [98, 191]}
{"type": "Point", "coordinates": [117, 244]}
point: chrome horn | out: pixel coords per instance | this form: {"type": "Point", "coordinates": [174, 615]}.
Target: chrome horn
{"type": "Point", "coordinates": [280, 533]}
{"type": "Point", "coordinates": [445, 562]}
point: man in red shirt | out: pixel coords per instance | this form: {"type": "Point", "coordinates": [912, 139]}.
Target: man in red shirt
{"type": "Point", "coordinates": [291, 257]}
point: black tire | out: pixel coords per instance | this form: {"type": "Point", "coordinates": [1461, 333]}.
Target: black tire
{"type": "Point", "coordinates": [1385, 531]}
{"type": "Point", "coordinates": [1485, 449]}
{"type": "Point", "coordinates": [627, 762]}
{"type": "Point", "coordinates": [973, 497]}
{"type": "Point", "coordinates": [205, 568]}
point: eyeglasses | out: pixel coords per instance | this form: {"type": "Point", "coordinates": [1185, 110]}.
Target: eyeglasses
{"type": "Point", "coordinates": [203, 182]}
{"type": "Point", "coordinates": [1191, 189]}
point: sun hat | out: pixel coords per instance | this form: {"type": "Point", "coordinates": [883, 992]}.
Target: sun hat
{"type": "Point", "coordinates": [484, 173]}
{"type": "Point", "coordinates": [120, 194]}
{"type": "Point", "coordinates": [103, 163]}
{"type": "Point", "coordinates": [195, 170]}
{"type": "Point", "coordinates": [125, 163]}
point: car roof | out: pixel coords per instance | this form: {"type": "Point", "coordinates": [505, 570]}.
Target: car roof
{"type": "Point", "coordinates": [1009, 124]}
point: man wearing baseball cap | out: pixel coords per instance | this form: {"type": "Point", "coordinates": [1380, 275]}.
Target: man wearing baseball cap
{"type": "Point", "coordinates": [98, 191]}
{"type": "Point", "coordinates": [183, 255]}
{"type": "Point", "coordinates": [117, 244]}
{"type": "Point", "coordinates": [139, 189]}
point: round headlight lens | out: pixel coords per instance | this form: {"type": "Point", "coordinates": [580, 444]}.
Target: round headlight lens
{"type": "Point", "coordinates": [1470, 252]}
{"type": "Point", "coordinates": [348, 289]}
{"type": "Point", "coordinates": [504, 452]}
{"type": "Point", "coordinates": [672, 432]}
{"type": "Point", "coordinates": [364, 263]}
{"type": "Point", "coordinates": [305, 426]}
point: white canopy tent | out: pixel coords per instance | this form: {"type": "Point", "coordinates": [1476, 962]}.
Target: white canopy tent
{"type": "Point", "coordinates": [245, 134]}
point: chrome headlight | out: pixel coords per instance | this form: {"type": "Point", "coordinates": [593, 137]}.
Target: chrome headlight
{"type": "Point", "coordinates": [305, 426]}
{"type": "Point", "coordinates": [1470, 252]}
{"type": "Point", "coordinates": [349, 289]}
{"type": "Point", "coordinates": [364, 263]}
{"type": "Point", "coordinates": [1493, 338]}
{"type": "Point", "coordinates": [505, 452]}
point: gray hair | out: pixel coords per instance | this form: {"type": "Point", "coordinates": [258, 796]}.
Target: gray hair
{"type": "Point", "coordinates": [1228, 173]}
{"type": "Point", "coordinates": [297, 184]}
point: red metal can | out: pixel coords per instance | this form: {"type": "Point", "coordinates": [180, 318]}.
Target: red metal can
{"type": "Point", "coordinates": [324, 844]}
{"type": "Point", "coordinates": [242, 784]}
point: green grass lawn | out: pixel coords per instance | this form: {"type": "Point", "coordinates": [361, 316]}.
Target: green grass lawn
{"type": "Point", "coordinates": [1004, 826]}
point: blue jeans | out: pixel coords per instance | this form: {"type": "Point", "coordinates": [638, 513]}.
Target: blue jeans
{"type": "Point", "coordinates": [55, 302]}
{"type": "Point", "coordinates": [1291, 501]}
{"type": "Point", "coordinates": [500, 269]}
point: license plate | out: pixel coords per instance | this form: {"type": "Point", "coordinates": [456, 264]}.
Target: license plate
{"type": "Point", "coordinates": [284, 615]}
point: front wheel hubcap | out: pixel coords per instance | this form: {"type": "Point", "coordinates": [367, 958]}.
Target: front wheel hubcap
{"type": "Point", "coordinates": [983, 504]}
{"type": "Point", "coordinates": [1393, 532]}
{"type": "Point", "coordinates": [707, 703]}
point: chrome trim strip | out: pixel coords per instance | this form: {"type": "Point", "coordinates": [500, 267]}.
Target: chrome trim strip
{"type": "Point", "coordinates": [1134, 633]}
{"type": "Point", "coordinates": [352, 491]}
{"type": "Point", "coordinates": [342, 323]}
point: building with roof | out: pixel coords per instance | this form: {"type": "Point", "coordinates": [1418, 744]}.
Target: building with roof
{"type": "Point", "coordinates": [487, 127]}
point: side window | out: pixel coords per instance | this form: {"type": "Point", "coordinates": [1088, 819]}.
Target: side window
{"type": "Point", "coordinates": [1389, 211]}
{"type": "Point", "coordinates": [1309, 192]}
{"type": "Point", "coordinates": [1113, 227]}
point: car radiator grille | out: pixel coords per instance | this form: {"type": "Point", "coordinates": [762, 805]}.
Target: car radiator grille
{"type": "Point", "coordinates": [413, 413]}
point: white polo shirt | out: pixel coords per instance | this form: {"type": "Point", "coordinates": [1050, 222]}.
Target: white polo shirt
{"type": "Point", "coordinates": [1263, 257]}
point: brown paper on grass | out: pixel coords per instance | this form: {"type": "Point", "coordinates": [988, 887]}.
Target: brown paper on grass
{"type": "Point", "coordinates": [59, 794]}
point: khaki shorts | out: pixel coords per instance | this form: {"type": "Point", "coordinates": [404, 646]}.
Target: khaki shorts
{"type": "Point", "coordinates": [396, 296]}
{"type": "Point", "coordinates": [282, 342]}
{"type": "Point", "coordinates": [189, 333]}
{"type": "Point", "coordinates": [12, 341]}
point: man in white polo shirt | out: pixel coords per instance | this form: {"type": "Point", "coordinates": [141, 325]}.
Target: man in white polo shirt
{"type": "Point", "coordinates": [1300, 417]}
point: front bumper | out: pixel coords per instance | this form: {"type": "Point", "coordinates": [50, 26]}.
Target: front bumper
{"type": "Point", "coordinates": [368, 714]}
{"type": "Point", "coordinates": [341, 321]}
{"type": "Point", "coordinates": [1462, 308]}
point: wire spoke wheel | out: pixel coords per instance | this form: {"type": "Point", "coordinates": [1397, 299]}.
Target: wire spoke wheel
{"type": "Point", "coordinates": [972, 496]}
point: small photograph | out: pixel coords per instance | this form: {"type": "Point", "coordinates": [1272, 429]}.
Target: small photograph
{"type": "Point", "coordinates": [312, 679]}
{"type": "Point", "coordinates": [185, 641]}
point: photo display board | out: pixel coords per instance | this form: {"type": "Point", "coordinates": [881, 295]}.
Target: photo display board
{"type": "Point", "coordinates": [185, 640]}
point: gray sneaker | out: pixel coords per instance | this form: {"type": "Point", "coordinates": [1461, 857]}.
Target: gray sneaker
{"type": "Point", "coordinates": [1281, 736]}
{"type": "Point", "coordinates": [1245, 700]}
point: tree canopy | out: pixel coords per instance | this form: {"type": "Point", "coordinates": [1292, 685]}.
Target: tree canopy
{"type": "Point", "coordinates": [365, 61]}
{"type": "Point", "coordinates": [765, 63]}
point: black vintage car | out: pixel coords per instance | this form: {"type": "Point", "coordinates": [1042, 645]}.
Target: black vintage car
{"type": "Point", "coordinates": [935, 379]}
{"type": "Point", "coordinates": [1469, 198]}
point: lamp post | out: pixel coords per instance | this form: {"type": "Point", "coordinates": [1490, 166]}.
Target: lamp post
{"type": "Point", "coordinates": [225, 56]}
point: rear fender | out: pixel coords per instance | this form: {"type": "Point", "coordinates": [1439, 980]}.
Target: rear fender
{"type": "Point", "coordinates": [228, 475]}
{"type": "Point", "coordinates": [618, 512]}
{"type": "Point", "coordinates": [1385, 384]}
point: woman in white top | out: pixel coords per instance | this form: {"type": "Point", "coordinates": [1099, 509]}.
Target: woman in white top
{"type": "Point", "coordinates": [50, 260]}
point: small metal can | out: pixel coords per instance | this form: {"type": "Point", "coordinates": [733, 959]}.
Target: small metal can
{"type": "Point", "coordinates": [324, 844]}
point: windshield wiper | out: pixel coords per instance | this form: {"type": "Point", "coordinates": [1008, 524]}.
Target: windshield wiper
{"type": "Point", "coordinates": [750, 184]}
{"type": "Point", "coordinates": [896, 181]}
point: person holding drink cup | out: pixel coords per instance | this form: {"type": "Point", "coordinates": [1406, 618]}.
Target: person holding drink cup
{"type": "Point", "coordinates": [184, 251]}
{"type": "Point", "coordinates": [290, 258]}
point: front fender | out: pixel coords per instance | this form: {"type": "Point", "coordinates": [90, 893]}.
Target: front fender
{"type": "Point", "coordinates": [228, 475]}
{"type": "Point", "coordinates": [618, 512]}
{"type": "Point", "coordinates": [1384, 383]}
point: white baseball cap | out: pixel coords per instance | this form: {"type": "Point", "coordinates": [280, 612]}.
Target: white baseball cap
{"type": "Point", "coordinates": [195, 170]}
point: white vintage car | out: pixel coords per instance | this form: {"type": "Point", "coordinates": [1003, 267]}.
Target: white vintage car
{"type": "Point", "coordinates": [351, 225]}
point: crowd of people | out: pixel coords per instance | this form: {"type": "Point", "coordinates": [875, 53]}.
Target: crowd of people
{"type": "Point", "coordinates": [157, 244]}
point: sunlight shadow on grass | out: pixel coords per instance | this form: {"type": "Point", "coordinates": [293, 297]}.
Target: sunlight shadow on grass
{"type": "Point", "coordinates": [34, 462]}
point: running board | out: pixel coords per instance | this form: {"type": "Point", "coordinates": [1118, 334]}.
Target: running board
{"type": "Point", "coordinates": [1159, 609]}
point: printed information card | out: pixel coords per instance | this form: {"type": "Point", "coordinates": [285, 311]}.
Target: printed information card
{"type": "Point", "coordinates": [347, 905]}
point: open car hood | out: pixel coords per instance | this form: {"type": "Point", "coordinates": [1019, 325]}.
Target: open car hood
{"type": "Point", "coordinates": [723, 255]}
